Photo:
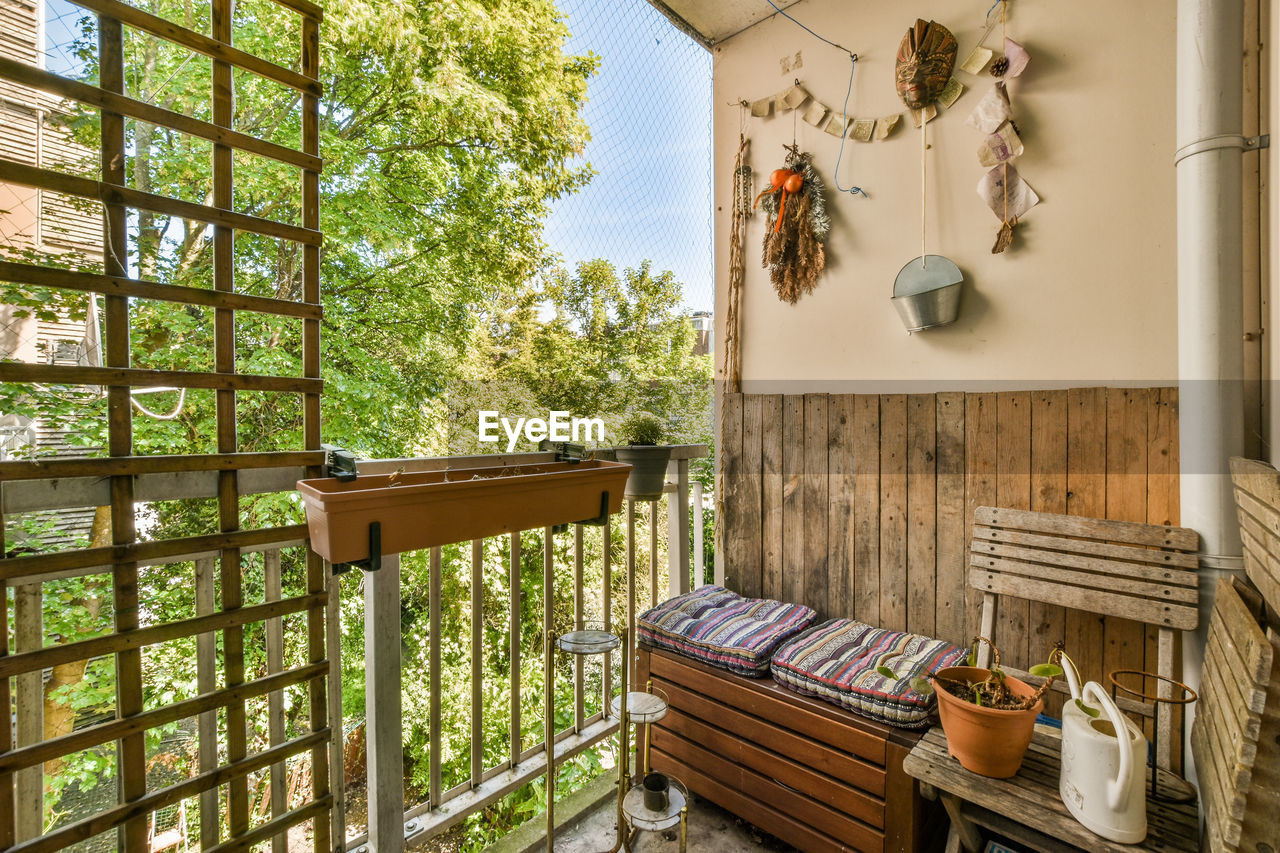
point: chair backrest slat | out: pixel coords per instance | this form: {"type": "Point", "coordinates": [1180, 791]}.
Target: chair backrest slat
{"type": "Point", "coordinates": [1257, 488]}
{"type": "Point", "coordinates": [1144, 572]}
{"type": "Point", "coordinates": [1229, 716]}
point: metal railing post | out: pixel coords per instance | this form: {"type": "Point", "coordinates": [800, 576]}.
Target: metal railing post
{"type": "Point", "coordinates": [678, 527]}
{"type": "Point", "coordinates": [382, 706]}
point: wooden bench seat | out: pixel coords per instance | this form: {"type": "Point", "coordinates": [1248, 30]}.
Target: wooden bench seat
{"type": "Point", "coordinates": [817, 776]}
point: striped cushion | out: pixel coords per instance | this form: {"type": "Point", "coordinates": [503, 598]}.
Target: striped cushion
{"type": "Point", "coordinates": [837, 661]}
{"type": "Point", "coordinates": [724, 629]}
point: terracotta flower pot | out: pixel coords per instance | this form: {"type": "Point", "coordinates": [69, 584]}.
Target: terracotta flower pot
{"type": "Point", "coordinates": [648, 469]}
{"type": "Point", "coordinates": [986, 741]}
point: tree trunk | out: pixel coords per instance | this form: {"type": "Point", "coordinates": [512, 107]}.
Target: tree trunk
{"type": "Point", "coordinates": [59, 715]}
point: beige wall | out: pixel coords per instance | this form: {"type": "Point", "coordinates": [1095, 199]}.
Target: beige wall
{"type": "Point", "coordinates": [1088, 294]}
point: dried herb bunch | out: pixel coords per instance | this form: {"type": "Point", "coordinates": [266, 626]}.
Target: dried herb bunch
{"type": "Point", "coordinates": [797, 227]}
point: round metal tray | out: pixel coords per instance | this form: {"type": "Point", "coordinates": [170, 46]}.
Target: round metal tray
{"type": "Point", "coordinates": [644, 707]}
{"type": "Point", "coordinates": [650, 821]}
{"type": "Point", "coordinates": [590, 641]}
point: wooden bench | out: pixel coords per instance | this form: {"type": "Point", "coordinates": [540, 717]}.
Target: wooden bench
{"type": "Point", "coordinates": [817, 776]}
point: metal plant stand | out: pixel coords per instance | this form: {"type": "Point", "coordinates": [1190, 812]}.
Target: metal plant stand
{"type": "Point", "coordinates": [1178, 790]}
{"type": "Point", "coordinates": [590, 641]}
{"type": "Point", "coordinates": [642, 707]}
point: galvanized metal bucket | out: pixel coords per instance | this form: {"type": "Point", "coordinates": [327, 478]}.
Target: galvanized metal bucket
{"type": "Point", "coordinates": [927, 294]}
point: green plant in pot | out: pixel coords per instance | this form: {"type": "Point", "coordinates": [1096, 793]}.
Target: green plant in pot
{"type": "Point", "coordinates": [988, 715]}
{"type": "Point", "coordinates": [644, 451]}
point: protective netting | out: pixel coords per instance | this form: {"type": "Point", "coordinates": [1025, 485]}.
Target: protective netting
{"type": "Point", "coordinates": [649, 111]}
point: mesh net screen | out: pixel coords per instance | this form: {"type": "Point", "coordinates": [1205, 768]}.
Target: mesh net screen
{"type": "Point", "coordinates": [649, 111]}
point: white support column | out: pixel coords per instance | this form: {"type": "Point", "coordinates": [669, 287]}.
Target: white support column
{"type": "Point", "coordinates": [678, 527]}
{"type": "Point", "coordinates": [382, 706]}
{"type": "Point", "coordinates": [28, 623]}
{"type": "Point", "coordinates": [1210, 304]}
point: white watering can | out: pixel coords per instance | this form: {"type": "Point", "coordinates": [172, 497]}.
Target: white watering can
{"type": "Point", "coordinates": [1103, 776]}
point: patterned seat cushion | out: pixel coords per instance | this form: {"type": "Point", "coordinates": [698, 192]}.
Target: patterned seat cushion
{"type": "Point", "coordinates": [837, 661]}
{"type": "Point", "coordinates": [724, 629]}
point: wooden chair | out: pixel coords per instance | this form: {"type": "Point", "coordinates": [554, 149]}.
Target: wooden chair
{"type": "Point", "coordinates": [1144, 572]}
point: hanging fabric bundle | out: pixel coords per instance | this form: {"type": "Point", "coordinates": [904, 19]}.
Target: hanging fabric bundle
{"type": "Point", "coordinates": [797, 226]}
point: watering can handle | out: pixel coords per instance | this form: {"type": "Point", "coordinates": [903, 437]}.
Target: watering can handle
{"type": "Point", "coordinates": [1117, 789]}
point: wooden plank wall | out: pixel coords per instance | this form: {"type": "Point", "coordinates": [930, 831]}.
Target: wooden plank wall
{"type": "Point", "coordinates": [860, 505]}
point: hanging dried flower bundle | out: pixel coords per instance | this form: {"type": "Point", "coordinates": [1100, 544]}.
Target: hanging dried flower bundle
{"type": "Point", "coordinates": [796, 226]}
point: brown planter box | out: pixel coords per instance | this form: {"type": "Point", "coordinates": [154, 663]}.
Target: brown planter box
{"type": "Point", "coordinates": [438, 507]}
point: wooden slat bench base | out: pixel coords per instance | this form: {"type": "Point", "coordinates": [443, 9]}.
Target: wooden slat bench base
{"type": "Point", "coordinates": [818, 777]}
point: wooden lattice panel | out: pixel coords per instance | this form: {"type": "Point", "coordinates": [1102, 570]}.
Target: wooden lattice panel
{"type": "Point", "coordinates": [1257, 488]}
{"type": "Point", "coordinates": [225, 761]}
{"type": "Point", "coordinates": [1233, 696]}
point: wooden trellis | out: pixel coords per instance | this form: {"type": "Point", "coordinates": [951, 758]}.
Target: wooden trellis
{"type": "Point", "coordinates": [126, 473]}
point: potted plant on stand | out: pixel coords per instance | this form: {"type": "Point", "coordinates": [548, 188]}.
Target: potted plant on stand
{"type": "Point", "coordinates": [987, 715]}
{"type": "Point", "coordinates": [647, 455]}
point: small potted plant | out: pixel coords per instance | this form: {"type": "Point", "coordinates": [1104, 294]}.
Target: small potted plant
{"type": "Point", "coordinates": [988, 715]}
{"type": "Point", "coordinates": [647, 455]}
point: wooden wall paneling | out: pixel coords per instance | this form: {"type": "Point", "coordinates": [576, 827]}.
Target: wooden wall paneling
{"type": "Point", "coordinates": [817, 507]}
{"type": "Point", "coordinates": [1127, 410]}
{"type": "Point", "coordinates": [1163, 508]}
{"type": "Point", "coordinates": [1013, 489]}
{"type": "Point", "coordinates": [793, 495]}
{"type": "Point", "coordinates": [980, 484]}
{"type": "Point", "coordinates": [1047, 623]}
{"type": "Point", "coordinates": [734, 534]}
{"type": "Point", "coordinates": [922, 513]}
{"type": "Point", "coordinates": [749, 500]}
{"type": "Point", "coordinates": [950, 601]}
{"type": "Point", "coordinates": [866, 508]}
{"type": "Point", "coordinates": [893, 512]}
{"type": "Point", "coordinates": [771, 499]}
{"type": "Point", "coordinates": [1086, 496]}
{"type": "Point", "coordinates": [840, 519]}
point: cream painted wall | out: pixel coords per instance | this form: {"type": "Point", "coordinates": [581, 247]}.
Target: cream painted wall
{"type": "Point", "coordinates": [1087, 295]}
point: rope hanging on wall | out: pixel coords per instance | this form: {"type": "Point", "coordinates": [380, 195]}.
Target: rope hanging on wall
{"type": "Point", "coordinates": [741, 209]}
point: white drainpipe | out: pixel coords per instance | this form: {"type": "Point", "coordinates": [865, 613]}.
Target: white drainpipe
{"type": "Point", "coordinates": [1210, 311]}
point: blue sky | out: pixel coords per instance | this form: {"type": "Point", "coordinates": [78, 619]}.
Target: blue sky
{"type": "Point", "coordinates": [649, 111]}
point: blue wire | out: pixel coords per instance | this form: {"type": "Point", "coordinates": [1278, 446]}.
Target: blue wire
{"type": "Point", "coordinates": [780, 11]}
{"type": "Point", "coordinates": [853, 64]}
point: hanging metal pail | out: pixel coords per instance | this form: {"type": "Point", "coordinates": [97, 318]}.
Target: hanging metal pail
{"type": "Point", "coordinates": [927, 295]}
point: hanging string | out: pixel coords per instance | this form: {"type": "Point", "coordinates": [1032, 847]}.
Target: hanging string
{"type": "Point", "coordinates": [177, 409]}
{"type": "Point", "coordinates": [780, 11]}
{"type": "Point", "coordinates": [853, 190]}
{"type": "Point", "coordinates": [924, 123]}
{"type": "Point", "coordinates": [1004, 5]}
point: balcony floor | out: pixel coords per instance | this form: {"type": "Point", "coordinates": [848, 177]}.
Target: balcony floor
{"type": "Point", "coordinates": [711, 830]}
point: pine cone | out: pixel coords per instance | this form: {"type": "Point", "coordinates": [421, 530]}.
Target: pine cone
{"type": "Point", "coordinates": [1000, 66]}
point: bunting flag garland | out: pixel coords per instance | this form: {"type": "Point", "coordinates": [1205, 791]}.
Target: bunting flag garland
{"type": "Point", "coordinates": [833, 121]}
